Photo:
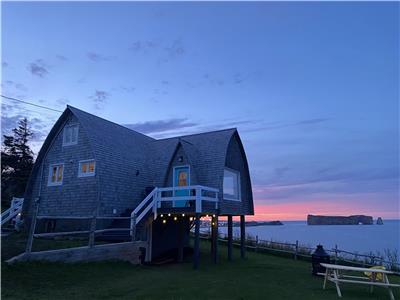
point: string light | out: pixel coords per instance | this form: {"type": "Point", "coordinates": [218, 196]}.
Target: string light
{"type": "Point", "coordinates": [183, 215]}
{"type": "Point", "coordinates": [191, 218]}
{"type": "Point", "coordinates": [169, 215]}
{"type": "Point", "coordinates": [206, 216]}
{"type": "Point", "coordinates": [162, 215]}
{"type": "Point", "coordinates": [214, 216]}
{"type": "Point", "coordinates": [164, 221]}
{"type": "Point", "coordinates": [213, 223]}
{"type": "Point", "coordinates": [175, 218]}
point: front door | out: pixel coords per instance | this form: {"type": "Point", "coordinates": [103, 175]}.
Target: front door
{"type": "Point", "coordinates": [181, 178]}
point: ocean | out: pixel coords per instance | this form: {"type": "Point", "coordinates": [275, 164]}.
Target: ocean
{"type": "Point", "coordinates": [353, 238]}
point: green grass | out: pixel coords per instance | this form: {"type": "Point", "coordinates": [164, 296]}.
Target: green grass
{"type": "Point", "coordinates": [260, 276]}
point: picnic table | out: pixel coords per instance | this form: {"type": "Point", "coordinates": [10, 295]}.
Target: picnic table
{"type": "Point", "coordinates": [334, 273]}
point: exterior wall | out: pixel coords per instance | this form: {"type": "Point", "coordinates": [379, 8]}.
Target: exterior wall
{"type": "Point", "coordinates": [176, 163]}
{"type": "Point", "coordinates": [76, 195]}
{"type": "Point", "coordinates": [236, 160]}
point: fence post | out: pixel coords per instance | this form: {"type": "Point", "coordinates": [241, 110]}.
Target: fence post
{"type": "Point", "coordinates": [133, 227]}
{"type": "Point", "coordinates": [256, 248]}
{"type": "Point", "coordinates": [336, 254]}
{"type": "Point", "coordinates": [92, 231]}
{"type": "Point", "coordinates": [29, 243]}
{"type": "Point", "coordinates": [297, 250]}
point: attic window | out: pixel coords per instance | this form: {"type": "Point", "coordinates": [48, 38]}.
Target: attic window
{"type": "Point", "coordinates": [56, 172]}
{"type": "Point", "coordinates": [231, 185]}
{"type": "Point", "coordinates": [87, 168]}
{"type": "Point", "coordinates": [70, 136]}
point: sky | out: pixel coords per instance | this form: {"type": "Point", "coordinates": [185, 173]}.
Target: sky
{"type": "Point", "coordinates": [312, 87]}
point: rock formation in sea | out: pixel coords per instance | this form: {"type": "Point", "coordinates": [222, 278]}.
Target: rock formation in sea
{"type": "Point", "coordinates": [379, 221]}
{"type": "Point", "coordinates": [339, 220]}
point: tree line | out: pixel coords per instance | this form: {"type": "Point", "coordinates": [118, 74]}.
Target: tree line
{"type": "Point", "coordinates": [17, 161]}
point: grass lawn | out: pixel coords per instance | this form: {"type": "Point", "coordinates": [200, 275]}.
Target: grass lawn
{"type": "Point", "coordinates": [260, 276]}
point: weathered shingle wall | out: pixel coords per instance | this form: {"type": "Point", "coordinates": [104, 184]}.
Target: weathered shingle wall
{"type": "Point", "coordinates": [76, 195]}
{"type": "Point", "coordinates": [236, 160]}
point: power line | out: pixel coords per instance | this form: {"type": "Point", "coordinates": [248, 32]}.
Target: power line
{"type": "Point", "coordinates": [29, 103]}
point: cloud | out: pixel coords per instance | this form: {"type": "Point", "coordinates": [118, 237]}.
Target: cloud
{"type": "Point", "coordinates": [99, 98]}
{"type": "Point", "coordinates": [61, 57]}
{"type": "Point", "coordinates": [38, 68]}
{"type": "Point", "coordinates": [143, 46]}
{"type": "Point", "coordinates": [280, 124]}
{"type": "Point", "coordinates": [96, 57]}
{"type": "Point", "coordinates": [312, 121]}
{"type": "Point", "coordinates": [14, 85]}
{"type": "Point", "coordinates": [161, 125]}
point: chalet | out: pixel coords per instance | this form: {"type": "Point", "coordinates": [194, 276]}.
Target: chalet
{"type": "Point", "coordinates": [90, 166]}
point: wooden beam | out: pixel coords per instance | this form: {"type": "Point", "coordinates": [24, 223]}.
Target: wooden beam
{"type": "Point", "coordinates": [212, 237]}
{"type": "Point", "coordinates": [215, 248]}
{"type": "Point", "coordinates": [196, 253]}
{"type": "Point", "coordinates": [242, 236]}
{"type": "Point", "coordinates": [35, 210]}
{"type": "Point", "coordinates": [230, 238]}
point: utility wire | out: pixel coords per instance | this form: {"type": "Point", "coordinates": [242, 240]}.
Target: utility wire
{"type": "Point", "coordinates": [29, 103]}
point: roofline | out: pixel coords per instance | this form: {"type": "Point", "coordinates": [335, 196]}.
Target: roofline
{"type": "Point", "coordinates": [70, 106]}
{"type": "Point", "coordinates": [205, 132]}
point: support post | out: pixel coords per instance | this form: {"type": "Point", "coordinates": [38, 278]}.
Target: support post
{"type": "Point", "coordinates": [29, 242]}
{"type": "Point", "coordinates": [92, 231]}
{"type": "Point", "coordinates": [296, 250]}
{"type": "Point", "coordinates": [196, 253]}
{"type": "Point", "coordinates": [181, 239]}
{"type": "Point", "coordinates": [212, 233]}
{"type": "Point", "coordinates": [230, 235]}
{"type": "Point", "coordinates": [215, 248]}
{"type": "Point", "coordinates": [133, 227]}
{"type": "Point", "coordinates": [242, 236]}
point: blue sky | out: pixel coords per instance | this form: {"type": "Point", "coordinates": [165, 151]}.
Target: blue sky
{"type": "Point", "coordinates": [312, 87]}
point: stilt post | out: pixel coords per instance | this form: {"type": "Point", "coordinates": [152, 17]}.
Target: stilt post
{"type": "Point", "coordinates": [230, 238]}
{"type": "Point", "coordinates": [35, 210]}
{"type": "Point", "coordinates": [242, 236]}
{"type": "Point", "coordinates": [196, 253]}
{"type": "Point", "coordinates": [215, 248]}
{"type": "Point", "coordinates": [181, 239]}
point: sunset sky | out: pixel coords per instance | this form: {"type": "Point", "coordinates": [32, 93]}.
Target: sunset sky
{"type": "Point", "coordinates": [312, 87]}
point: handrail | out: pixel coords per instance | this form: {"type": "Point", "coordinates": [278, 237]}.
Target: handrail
{"type": "Point", "coordinates": [13, 211]}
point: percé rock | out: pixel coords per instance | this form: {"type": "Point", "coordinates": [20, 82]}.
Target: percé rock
{"type": "Point", "coordinates": [379, 221]}
{"type": "Point", "coordinates": [339, 220]}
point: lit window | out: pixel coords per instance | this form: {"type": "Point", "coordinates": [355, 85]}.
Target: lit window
{"type": "Point", "coordinates": [56, 174]}
{"type": "Point", "coordinates": [87, 168]}
{"type": "Point", "coordinates": [70, 136]}
{"type": "Point", "coordinates": [231, 185]}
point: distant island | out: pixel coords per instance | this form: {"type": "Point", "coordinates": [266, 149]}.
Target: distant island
{"type": "Point", "coordinates": [339, 220]}
{"type": "Point", "coordinates": [250, 223]}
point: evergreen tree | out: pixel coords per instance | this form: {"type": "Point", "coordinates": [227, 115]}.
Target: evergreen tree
{"type": "Point", "coordinates": [16, 162]}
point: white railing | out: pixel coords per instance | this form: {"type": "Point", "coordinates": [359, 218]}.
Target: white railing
{"type": "Point", "coordinates": [14, 212]}
{"type": "Point", "coordinates": [195, 193]}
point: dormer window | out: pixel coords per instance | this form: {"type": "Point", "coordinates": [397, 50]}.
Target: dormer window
{"type": "Point", "coordinates": [70, 136]}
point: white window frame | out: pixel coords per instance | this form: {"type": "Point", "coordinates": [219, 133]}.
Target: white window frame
{"type": "Point", "coordinates": [65, 134]}
{"type": "Point", "coordinates": [87, 174]}
{"type": "Point", "coordinates": [239, 199]}
{"type": "Point", "coordinates": [56, 183]}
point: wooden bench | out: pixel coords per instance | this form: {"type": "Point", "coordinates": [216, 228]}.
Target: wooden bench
{"type": "Point", "coordinates": [334, 273]}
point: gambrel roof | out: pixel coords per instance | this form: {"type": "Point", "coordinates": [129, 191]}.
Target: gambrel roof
{"type": "Point", "coordinates": [116, 147]}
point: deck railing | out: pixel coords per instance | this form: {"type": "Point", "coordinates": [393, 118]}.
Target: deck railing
{"type": "Point", "coordinates": [154, 201]}
{"type": "Point", "coordinates": [14, 212]}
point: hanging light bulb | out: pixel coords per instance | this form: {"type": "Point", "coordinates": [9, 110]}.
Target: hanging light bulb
{"type": "Point", "coordinates": [183, 215]}
{"type": "Point", "coordinates": [169, 215]}
{"type": "Point", "coordinates": [191, 218]}
{"type": "Point", "coordinates": [175, 218]}
{"type": "Point", "coordinates": [164, 221]}
{"type": "Point", "coordinates": [214, 216]}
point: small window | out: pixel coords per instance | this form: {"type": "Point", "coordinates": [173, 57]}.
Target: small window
{"type": "Point", "coordinates": [87, 168]}
{"type": "Point", "coordinates": [56, 174]}
{"type": "Point", "coordinates": [231, 185]}
{"type": "Point", "coordinates": [70, 135]}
